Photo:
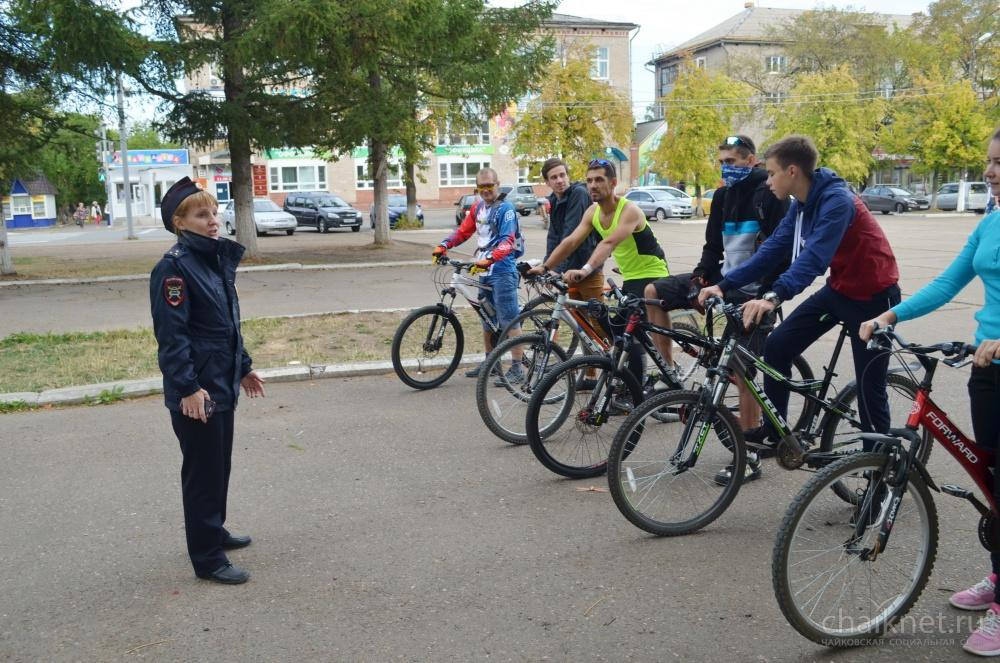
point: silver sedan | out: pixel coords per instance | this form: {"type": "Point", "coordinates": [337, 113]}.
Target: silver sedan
{"type": "Point", "coordinates": [267, 216]}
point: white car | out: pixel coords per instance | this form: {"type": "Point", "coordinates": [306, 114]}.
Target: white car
{"type": "Point", "coordinates": [661, 203]}
{"type": "Point", "coordinates": [267, 216]}
{"type": "Point", "coordinates": [975, 198]}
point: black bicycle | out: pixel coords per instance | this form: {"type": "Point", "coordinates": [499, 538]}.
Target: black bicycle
{"type": "Point", "coordinates": [662, 475]}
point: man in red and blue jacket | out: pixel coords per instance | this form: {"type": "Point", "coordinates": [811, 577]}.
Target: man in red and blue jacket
{"type": "Point", "coordinates": [499, 243]}
{"type": "Point", "coordinates": [827, 226]}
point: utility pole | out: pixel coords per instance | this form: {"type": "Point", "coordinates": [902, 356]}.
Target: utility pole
{"type": "Point", "coordinates": [109, 186]}
{"type": "Point", "coordinates": [126, 182]}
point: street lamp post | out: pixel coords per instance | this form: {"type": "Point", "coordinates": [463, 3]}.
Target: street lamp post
{"type": "Point", "coordinates": [126, 182]}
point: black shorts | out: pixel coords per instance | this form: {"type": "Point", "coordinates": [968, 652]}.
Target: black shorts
{"type": "Point", "coordinates": [675, 290]}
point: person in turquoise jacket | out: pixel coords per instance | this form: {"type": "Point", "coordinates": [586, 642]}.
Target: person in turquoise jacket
{"type": "Point", "coordinates": [979, 257]}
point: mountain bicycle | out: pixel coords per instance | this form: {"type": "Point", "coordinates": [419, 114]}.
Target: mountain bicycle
{"type": "Point", "coordinates": [844, 574]}
{"type": "Point", "coordinates": [428, 344]}
{"type": "Point", "coordinates": [661, 477]}
{"type": "Point", "coordinates": [569, 413]}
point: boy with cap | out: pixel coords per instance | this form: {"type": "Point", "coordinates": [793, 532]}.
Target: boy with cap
{"type": "Point", "coordinates": [196, 320]}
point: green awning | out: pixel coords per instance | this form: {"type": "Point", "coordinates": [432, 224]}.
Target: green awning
{"type": "Point", "coordinates": [616, 153]}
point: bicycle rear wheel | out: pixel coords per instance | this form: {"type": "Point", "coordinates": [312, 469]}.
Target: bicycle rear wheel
{"type": "Point", "coordinates": [830, 586]}
{"type": "Point", "coordinates": [571, 421]}
{"type": "Point", "coordinates": [427, 347]}
{"type": "Point", "coordinates": [503, 407]}
{"type": "Point", "coordinates": [841, 437]}
{"type": "Point", "coordinates": [659, 478]}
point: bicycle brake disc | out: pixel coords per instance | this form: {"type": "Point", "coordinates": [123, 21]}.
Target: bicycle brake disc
{"type": "Point", "coordinates": [989, 532]}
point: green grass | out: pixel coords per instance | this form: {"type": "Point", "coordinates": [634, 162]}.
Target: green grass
{"type": "Point", "coordinates": [36, 362]}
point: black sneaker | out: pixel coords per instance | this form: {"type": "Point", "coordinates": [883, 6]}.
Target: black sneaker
{"type": "Point", "coordinates": [762, 435]}
{"type": "Point", "coordinates": [514, 375]}
{"type": "Point", "coordinates": [751, 472]}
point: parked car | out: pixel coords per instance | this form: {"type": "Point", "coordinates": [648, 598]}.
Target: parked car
{"type": "Point", "coordinates": [522, 197]}
{"type": "Point", "coordinates": [267, 216]}
{"type": "Point", "coordinates": [706, 201]}
{"type": "Point", "coordinates": [464, 204]}
{"type": "Point", "coordinates": [886, 198]}
{"type": "Point", "coordinates": [322, 211]}
{"type": "Point", "coordinates": [659, 205]}
{"type": "Point", "coordinates": [975, 199]}
{"type": "Point", "coordinates": [673, 191]}
{"type": "Point", "coordinates": [397, 208]}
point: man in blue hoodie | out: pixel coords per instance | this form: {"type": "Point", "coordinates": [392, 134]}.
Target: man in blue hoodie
{"type": "Point", "coordinates": [826, 227]}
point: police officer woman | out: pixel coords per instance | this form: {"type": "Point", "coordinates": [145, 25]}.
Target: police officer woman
{"type": "Point", "coordinates": [196, 319]}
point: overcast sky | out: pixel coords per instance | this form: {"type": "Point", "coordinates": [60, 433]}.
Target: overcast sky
{"type": "Point", "coordinates": [667, 23]}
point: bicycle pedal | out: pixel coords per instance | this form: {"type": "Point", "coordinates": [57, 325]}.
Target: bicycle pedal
{"type": "Point", "coordinates": [957, 491]}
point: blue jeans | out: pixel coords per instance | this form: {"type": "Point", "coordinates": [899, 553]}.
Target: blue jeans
{"type": "Point", "coordinates": [804, 325]}
{"type": "Point", "coordinates": [503, 297]}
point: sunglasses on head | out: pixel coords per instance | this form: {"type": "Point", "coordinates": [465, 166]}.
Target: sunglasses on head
{"type": "Point", "coordinates": [598, 163]}
{"type": "Point", "coordinates": [733, 141]}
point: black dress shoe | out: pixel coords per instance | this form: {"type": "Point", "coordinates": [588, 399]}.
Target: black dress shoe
{"type": "Point", "coordinates": [227, 574]}
{"type": "Point", "coordinates": [232, 542]}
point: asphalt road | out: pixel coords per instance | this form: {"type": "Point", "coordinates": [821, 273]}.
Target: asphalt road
{"type": "Point", "coordinates": [397, 530]}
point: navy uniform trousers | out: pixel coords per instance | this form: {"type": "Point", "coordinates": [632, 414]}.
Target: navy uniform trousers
{"type": "Point", "coordinates": [208, 450]}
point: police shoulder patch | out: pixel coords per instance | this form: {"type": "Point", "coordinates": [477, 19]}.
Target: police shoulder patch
{"type": "Point", "coordinates": [173, 290]}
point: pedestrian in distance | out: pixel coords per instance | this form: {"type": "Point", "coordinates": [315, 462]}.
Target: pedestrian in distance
{"type": "Point", "coordinates": [95, 213]}
{"type": "Point", "coordinates": [107, 213]}
{"type": "Point", "coordinates": [80, 215]}
{"type": "Point", "coordinates": [744, 213]}
{"type": "Point", "coordinates": [499, 244]}
{"type": "Point", "coordinates": [977, 258]}
{"type": "Point", "coordinates": [826, 227]}
{"type": "Point", "coordinates": [196, 320]}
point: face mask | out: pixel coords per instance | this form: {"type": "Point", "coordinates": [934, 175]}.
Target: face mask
{"type": "Point", "coordinates": [734, 174]}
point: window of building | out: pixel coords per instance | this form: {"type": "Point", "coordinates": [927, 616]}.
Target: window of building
{"type": "Point", "coordinates": [298, 178]}
{"type": "Point", "coordinates": [699, 63]}
{"type": "Point", "coordinates": [599, 63]}
{"type": "Point", "coordinates": [21, 204]}
{"type": "Point", "coordinates": [776, 64]}
{"type": "Point", "coordinates": [38, 208]}
{"type": "Point", "coordinates": [775, 97]}
{"type": "Point", "coordinates": [459, 173]}
{"type": "Point", "coordinates": [668, 75]}
{"type": "Point", "coordinates": [394, 175]}
{"type": "Point", "coordinates": [476, 133]}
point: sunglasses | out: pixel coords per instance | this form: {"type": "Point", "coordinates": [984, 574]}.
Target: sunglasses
{"type": "Point", "coordinates": [598, 163]}
{"type": "Point", "coordinates": [486, 187]}
{"type": "Point", "coordinates": [733, 141]}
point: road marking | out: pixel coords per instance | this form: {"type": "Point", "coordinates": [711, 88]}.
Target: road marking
{"type": "Point", "coordinates": [39, 238]}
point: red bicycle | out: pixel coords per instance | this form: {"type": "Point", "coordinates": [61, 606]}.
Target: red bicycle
{"type": "Point", "coordinates": [844, 573]}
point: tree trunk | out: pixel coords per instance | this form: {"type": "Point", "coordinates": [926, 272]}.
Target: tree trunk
{"type": "Point", "coordinates": [409, 178]}
{"type": "Point", "coordinates": [6, 262]}
{"type": "Point", "coordinates": [377, 163]}
{"type": "Point", "coordinates": [377, 150]}
{"type": "Point", "coordinates": [234, 81]}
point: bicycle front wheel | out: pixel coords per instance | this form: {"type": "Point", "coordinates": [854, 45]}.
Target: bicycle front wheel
{"type": "Point", "coordinates": [427, 347]}
{"type": "Point", "coordinates": [573, 414]}
{"type": "Point", "coordinates": [841, 437]}
{"type": "Point", "coordinates": [830, 584]}
{"type": "Point", "coordinates": [664, 461]}
{"type": "Point", "coordinates": [502, 396]}
{"type": "Point", "coordinates": [533, 320]}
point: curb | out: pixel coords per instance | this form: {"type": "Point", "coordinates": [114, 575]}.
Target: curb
{"type": "Point", "coordinates": [290, 266]}
{"type": "Point", "coordinates": [86, 394]}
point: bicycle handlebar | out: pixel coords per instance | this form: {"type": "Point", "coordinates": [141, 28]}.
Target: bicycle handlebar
{"type": "Point", "coordinates": [956, 352]}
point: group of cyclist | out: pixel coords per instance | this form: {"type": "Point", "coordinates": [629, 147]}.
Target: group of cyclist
{"type": "Point", "coordinates": [773, 228]}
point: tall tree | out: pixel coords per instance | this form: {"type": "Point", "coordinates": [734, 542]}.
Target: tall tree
{"type": "Point", "coordinates": [964, 37]}
{"type": "Point", "coordinates": [254, 111]}
{"type": "Point", "coordinates": [942, 124]}
{"type": "Point", "coordinates": [373, 64]}
{"type": "Point", "coordinates": [68, 161]}
{"type": "Point", "coordinates": [828, 108]}
{"type": "Point", "coordinates": [573, 116]}
{"type": "Point", "coordinates": [700, 111]}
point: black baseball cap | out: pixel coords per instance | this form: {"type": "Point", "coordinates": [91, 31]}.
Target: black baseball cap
{"type": "Point", "coordinates": [181, 189]}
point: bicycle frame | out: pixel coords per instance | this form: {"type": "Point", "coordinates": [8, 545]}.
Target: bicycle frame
{"type": "Point", "coordinates": [469, 289]}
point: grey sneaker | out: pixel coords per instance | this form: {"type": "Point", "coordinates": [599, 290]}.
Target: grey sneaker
{"type": "Point", "coordinates": [514, 375]}
{"type": "Point", "coordinates": [751, 472]}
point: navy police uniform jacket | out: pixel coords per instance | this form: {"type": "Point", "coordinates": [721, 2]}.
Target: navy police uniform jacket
{"type": "Point", "coordinates": [196, 320]}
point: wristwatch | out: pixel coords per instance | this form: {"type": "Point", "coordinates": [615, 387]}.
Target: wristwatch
{"type": "Point", "coordinates": [772, 296]}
